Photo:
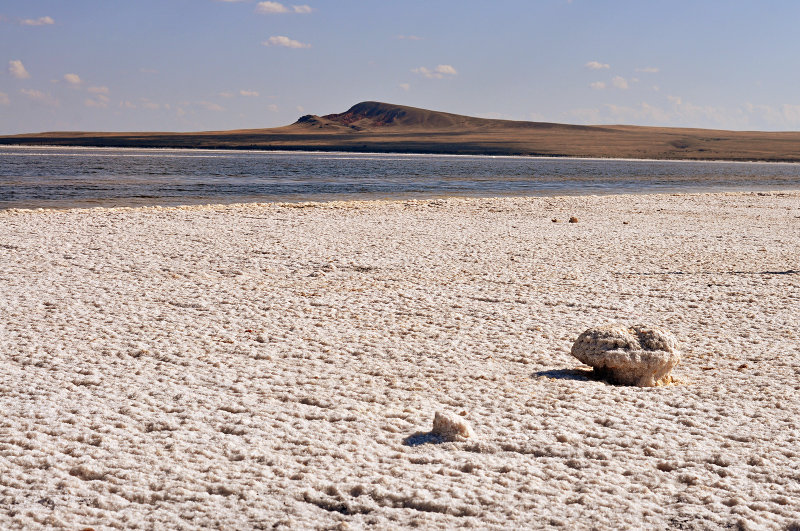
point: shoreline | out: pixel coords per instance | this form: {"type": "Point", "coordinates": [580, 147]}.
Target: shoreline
{"type": "Point", "coordinates": [400, 199]}
{"type": "Point", "coordinates": [334, 151]}
{"type": "Point", "coordinates": [275, 364]}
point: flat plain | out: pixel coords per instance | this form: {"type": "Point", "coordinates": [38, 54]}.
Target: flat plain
{"type": "Point", "coordinates": [279, 365]}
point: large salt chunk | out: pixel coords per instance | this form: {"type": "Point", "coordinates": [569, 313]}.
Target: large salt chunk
{"type": "Point", "coordinates": [451, 427]}
{"type": "Point", "coordinates": [637, 355]}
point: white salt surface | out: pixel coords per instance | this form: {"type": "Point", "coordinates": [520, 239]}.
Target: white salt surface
{"type": "Point", "coordinates": [269, 365]}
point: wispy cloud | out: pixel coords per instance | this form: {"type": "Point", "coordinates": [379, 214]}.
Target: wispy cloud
{"type": "Point", "coordinates": [226, 94]}
{"type": "Point", "coordinates": [439, 72]}
{"type": "Point", "coordinates": [410, 37]}
{"type": "Point", "coordinates": [40, 97]}
{"type": "Point", "coordinates": [270, 8]}
{"type": "Point", "coordinates": [276, 8]}
{"type": "Point", "coordinates": [272, 108]}
{"type": "Point", "coordinates": [648, 70]}
{"type": "Point", "coordinates": [249, 93]}
{"type": "Point", "coordinates": [597, 65]}
{"type": "Point", "coordinates": [41, 21]}
{"type": "Point", "coordinates": [98, 90]}
{"type": "Point", "coordinates": [149, 105]}
{"type": "Point", "coordinates": [4, 99]}
{"type": "Point", "coordinates": [17, 70]}
{"type": "Point", "coordinates": [620, 82]}
{"type": "Point", "coordinates": [598, 85]}
{"type": "Point", "coordinates": [210, 106]}
{"type": "Point", "coordinates": [286, 42]}
{"type": "Point", "coordinates": [99, 101]}
{"type": "Point", "coordinates": [405, 86]}
{"type": "Point", "coordinates": [72, 79]}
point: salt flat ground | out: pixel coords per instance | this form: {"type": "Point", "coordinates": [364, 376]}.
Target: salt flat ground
{"type": "Point", "coordinates": [259, 366]}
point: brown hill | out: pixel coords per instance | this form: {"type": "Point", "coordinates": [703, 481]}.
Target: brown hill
{"type": "Point", "coordinates": [382, 127]}
{"type": "Point", "coordinates": [375, 115]}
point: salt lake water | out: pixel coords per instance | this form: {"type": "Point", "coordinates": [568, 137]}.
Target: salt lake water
{"type": "Point", "coordinates": [32, 177]}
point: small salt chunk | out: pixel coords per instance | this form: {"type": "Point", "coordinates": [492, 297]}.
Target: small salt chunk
{"type": "Point", "coordinates": [451, 427]}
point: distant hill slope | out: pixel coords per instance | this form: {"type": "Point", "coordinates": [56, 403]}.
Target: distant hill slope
{"type": "Point", "coordinates": [373, 126]}
{"type": "Point", "coordinates": [376, 115]}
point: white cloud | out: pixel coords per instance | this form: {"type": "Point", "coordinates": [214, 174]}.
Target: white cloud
{"type": "Point", "coordinates": [209, 106]}
{"type": "Point", "coordinates": [269, 8]}
{"type": "Point", "coordinates": [437, 73]}
{"type": "Point", "coordinates": [41, 21]}
{"type": "Point", "coordinates": [620, 82]}
{"type": "Point", "coordinates": [273, 8]}
{"type": "Point", "coordinates": [596, 65]}
{"type": "Point", "coordinates": [98, 90]}
{"type": "Point", "coordinates": [40, 97]}
{"type": "Point", "coordinates": [4, 99]}
{"type": "Point", "coordinates": [286, 42]}
{"type": "Point", "coordinates": [598, 85]}
{"type": "Point", "coordinates": [405, 86]}
{"type": "Point", "coordinates": [127, 104]}
{"type": "Point", "coordinates": [72, 79]}
{"type": "Point", "coordinates": [17, 69]}
{"type": "Point", "coordinates": [648, 70]}
{"type": "Point", "coordinates": [410, 37]}
{"type": "Point", "coordinates": [249, 93]}
{"type": "Point", "coordinates": [100, 101]}
{"type": "Point", "coordinates": [226, 94]}
{"type": "Point", "coordinates": [300, 108]}
{"type": "Point", "coordinates": [273, 108]}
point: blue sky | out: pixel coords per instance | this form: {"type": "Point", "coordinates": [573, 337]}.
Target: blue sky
{"type": "Point", "coordinates": [184, 65]}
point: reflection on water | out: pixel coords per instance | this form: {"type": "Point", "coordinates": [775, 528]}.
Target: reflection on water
{"type": "Point", "coordinates": [60, 177]}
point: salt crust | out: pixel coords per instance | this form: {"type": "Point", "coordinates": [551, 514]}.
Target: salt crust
{"type": "Point", "coordinates": [177, 368]}
{"type": "Point", "coordinates": [637, 355]}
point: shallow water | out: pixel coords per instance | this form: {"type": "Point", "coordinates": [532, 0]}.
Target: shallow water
{"type": "Point", "coordinates": [32, 177]}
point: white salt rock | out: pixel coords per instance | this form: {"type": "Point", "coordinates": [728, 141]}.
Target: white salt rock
{"type": "Point", "coordinates": [637, 355]}
{"type": "Point", "coordinates": [451, 427]}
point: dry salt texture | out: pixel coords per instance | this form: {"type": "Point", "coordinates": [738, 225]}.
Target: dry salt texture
{"type": "Point", "coordinates": [259, 366]}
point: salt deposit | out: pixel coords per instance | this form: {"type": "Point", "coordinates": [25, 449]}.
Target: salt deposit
{"type": "Point", "coordinates": [638, 355]}
{"type": "Point", "coordinates": [182, 368]}
{"type": "Point", "coordinates": [451, 427]}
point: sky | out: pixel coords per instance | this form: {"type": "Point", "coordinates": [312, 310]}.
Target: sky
{"type": "Point", "coordinates": [191, 65]}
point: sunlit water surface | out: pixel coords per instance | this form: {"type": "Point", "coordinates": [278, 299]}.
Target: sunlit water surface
{"type": "Point", "coordinates": [32, 177]}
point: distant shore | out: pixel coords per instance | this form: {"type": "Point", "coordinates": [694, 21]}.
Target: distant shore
{"type": "Point", "coordinates": [339, 150]}
{"type": "Point", "coordinates": [375, 127]}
